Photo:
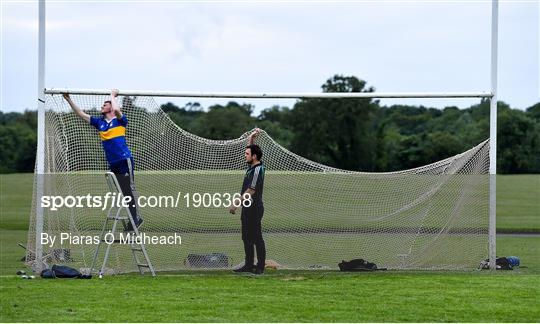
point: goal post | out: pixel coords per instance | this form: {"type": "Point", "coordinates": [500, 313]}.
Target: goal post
{"type": "Point", "coordinates": [40, 153]}
{"type": "Point", "coordinates": [41, 171]}
{"type": "Point", "coordinates": [493, 135]}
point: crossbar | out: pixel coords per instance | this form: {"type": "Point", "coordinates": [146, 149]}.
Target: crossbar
{"type": "Point", "coordinates": [280, 95]}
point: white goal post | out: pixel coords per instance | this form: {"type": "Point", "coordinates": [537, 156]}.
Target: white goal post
{"type": "Point", "coordinates": [492, 95]}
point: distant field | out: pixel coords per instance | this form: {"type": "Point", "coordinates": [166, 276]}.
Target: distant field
{"type": "Point", "coordinates": [387, 296]}
{"type": "Point", "coordinates": [518, 202]}
{"type": "Point", "coordinates": [15, 200]}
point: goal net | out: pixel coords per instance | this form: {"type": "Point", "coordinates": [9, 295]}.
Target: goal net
{"type": "Point", "coordinates": [431, 217]}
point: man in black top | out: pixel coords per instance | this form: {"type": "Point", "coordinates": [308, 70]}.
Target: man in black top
{"type": "Point", "coordinates": [252, 215]}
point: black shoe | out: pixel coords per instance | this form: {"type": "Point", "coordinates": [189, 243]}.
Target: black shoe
{"type": "Point", "coordinates": [138, 222]}
{"type": "Point", "coordinates": [258, 271]}
{"type": "Point", "coordinates": [243, 269]}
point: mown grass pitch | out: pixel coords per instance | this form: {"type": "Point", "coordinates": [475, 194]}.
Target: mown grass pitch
{"type": "Point", "coordinates": [290, 296]}
{"type": "Point", "coordinates": [280, 295]}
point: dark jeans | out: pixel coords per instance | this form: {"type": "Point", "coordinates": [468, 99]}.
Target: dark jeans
{"type": "Point", "coordinates": [252, 236]}
{"type": "Point", "coordinates": [123, 171]}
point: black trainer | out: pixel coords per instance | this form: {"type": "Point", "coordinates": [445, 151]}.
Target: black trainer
{"type": "Point", "coordinates": [258, 271]}
{"type": "Point", "coordinates": [129, 228]}
{"type": "Point", "coordinates": [243, 269]}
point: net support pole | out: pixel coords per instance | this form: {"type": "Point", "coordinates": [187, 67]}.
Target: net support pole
{"type": "Point", "coordinates": [39, 263]}
{"type": "Point", "coordinates": [493, 137]}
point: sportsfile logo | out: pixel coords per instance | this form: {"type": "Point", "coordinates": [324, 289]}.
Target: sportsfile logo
{"type": "Point", "coordinates": [116, 200]}
{"type": "Point", "coordinates": [111, 199]}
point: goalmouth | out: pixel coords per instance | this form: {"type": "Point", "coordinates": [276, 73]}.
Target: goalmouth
{"type": "Point", "coordinates": [431, 217]}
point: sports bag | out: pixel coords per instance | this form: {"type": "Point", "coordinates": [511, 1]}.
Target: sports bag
{"type": "Point", "coordinates": [357, 265]}
{"type": "Point", "coordinates": [60, 271]}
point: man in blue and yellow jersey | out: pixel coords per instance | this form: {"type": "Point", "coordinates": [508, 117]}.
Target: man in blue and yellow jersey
{"type": "Point", "coordinates": [112, 131]}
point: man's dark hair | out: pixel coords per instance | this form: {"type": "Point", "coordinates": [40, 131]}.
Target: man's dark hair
{"type": "Point", "coordinates": [255, 150]}
{"type": "Point", "coordinates": [108, 101]}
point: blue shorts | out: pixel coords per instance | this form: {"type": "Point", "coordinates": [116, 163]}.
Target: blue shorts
{"type": "Point", "coordinates": [122, 167]}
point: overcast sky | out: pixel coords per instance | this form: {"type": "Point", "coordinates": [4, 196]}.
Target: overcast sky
{"type": "Point", "coordinates": [396, 46]}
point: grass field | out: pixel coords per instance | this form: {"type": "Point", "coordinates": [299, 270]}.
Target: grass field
{"type": "Point", "coordinates": [510, 296]}
{"type": "Point", "coordinates": [285, 297]}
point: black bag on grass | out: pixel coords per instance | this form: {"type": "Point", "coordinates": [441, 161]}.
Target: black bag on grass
{"type": "Point", "coordinates": [60, 271]}
{"type": "Point", "coordinates": [500, 263]}
{"type": "Point", "coordinates": [357, 265]}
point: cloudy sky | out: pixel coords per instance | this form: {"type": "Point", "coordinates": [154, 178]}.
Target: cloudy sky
{"type": "Point", "coordinates": [271, 46]}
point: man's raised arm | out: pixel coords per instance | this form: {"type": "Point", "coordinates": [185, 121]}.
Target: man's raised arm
{"type": "Point", "coordinates": [114, 104]}
{"type": "Point", "coordinates": [76, 109]}
{"type": "Point", "coordinates": [251, 138]}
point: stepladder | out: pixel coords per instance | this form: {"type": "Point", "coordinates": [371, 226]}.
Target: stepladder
{"type": "Point", "coordinates": [119, 228]}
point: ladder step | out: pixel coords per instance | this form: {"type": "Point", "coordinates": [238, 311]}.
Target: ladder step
{"type": "Point", "coordinates": [136, 249]}
{"type": "Point", "coordinates": [115, 241]}
{"type": "Point", "coordinates": [142, 265]}
{"type": "Point", "coordinates": [118, 218]}
{"type": "Point", "coordinates": [118, 241]}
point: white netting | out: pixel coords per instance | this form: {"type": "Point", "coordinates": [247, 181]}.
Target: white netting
{"type": "Point", "coordinates": [432, 217]}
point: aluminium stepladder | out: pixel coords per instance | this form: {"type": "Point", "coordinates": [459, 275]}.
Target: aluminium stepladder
{"type": "Point", "coordinates": [114, 214]}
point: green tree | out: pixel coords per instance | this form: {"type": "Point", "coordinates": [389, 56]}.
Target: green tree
{"type": "Point", "coordinates": [518, 142]}
{"type": "Point", "coordinates": [225, 122]}
{"type": "Point", "coordinates": [337, 132]}
{"type": "Point", "coordinates": [184, 117]}
{"type": "Point", "coordinates": [534, 111]}
{"type": "Point", "coordinates": [276, 122]}
{"type": "Point", "coordinates": [18, 140]}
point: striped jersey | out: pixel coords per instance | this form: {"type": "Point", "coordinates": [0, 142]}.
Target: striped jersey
{"type": "Point", "coordinates": [254, 179]}
{"type": "Point", "coordinates": [113, 137]}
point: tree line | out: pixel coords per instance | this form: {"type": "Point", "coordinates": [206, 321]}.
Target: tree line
{"type": "Point", "coordinates": [354, 134]}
